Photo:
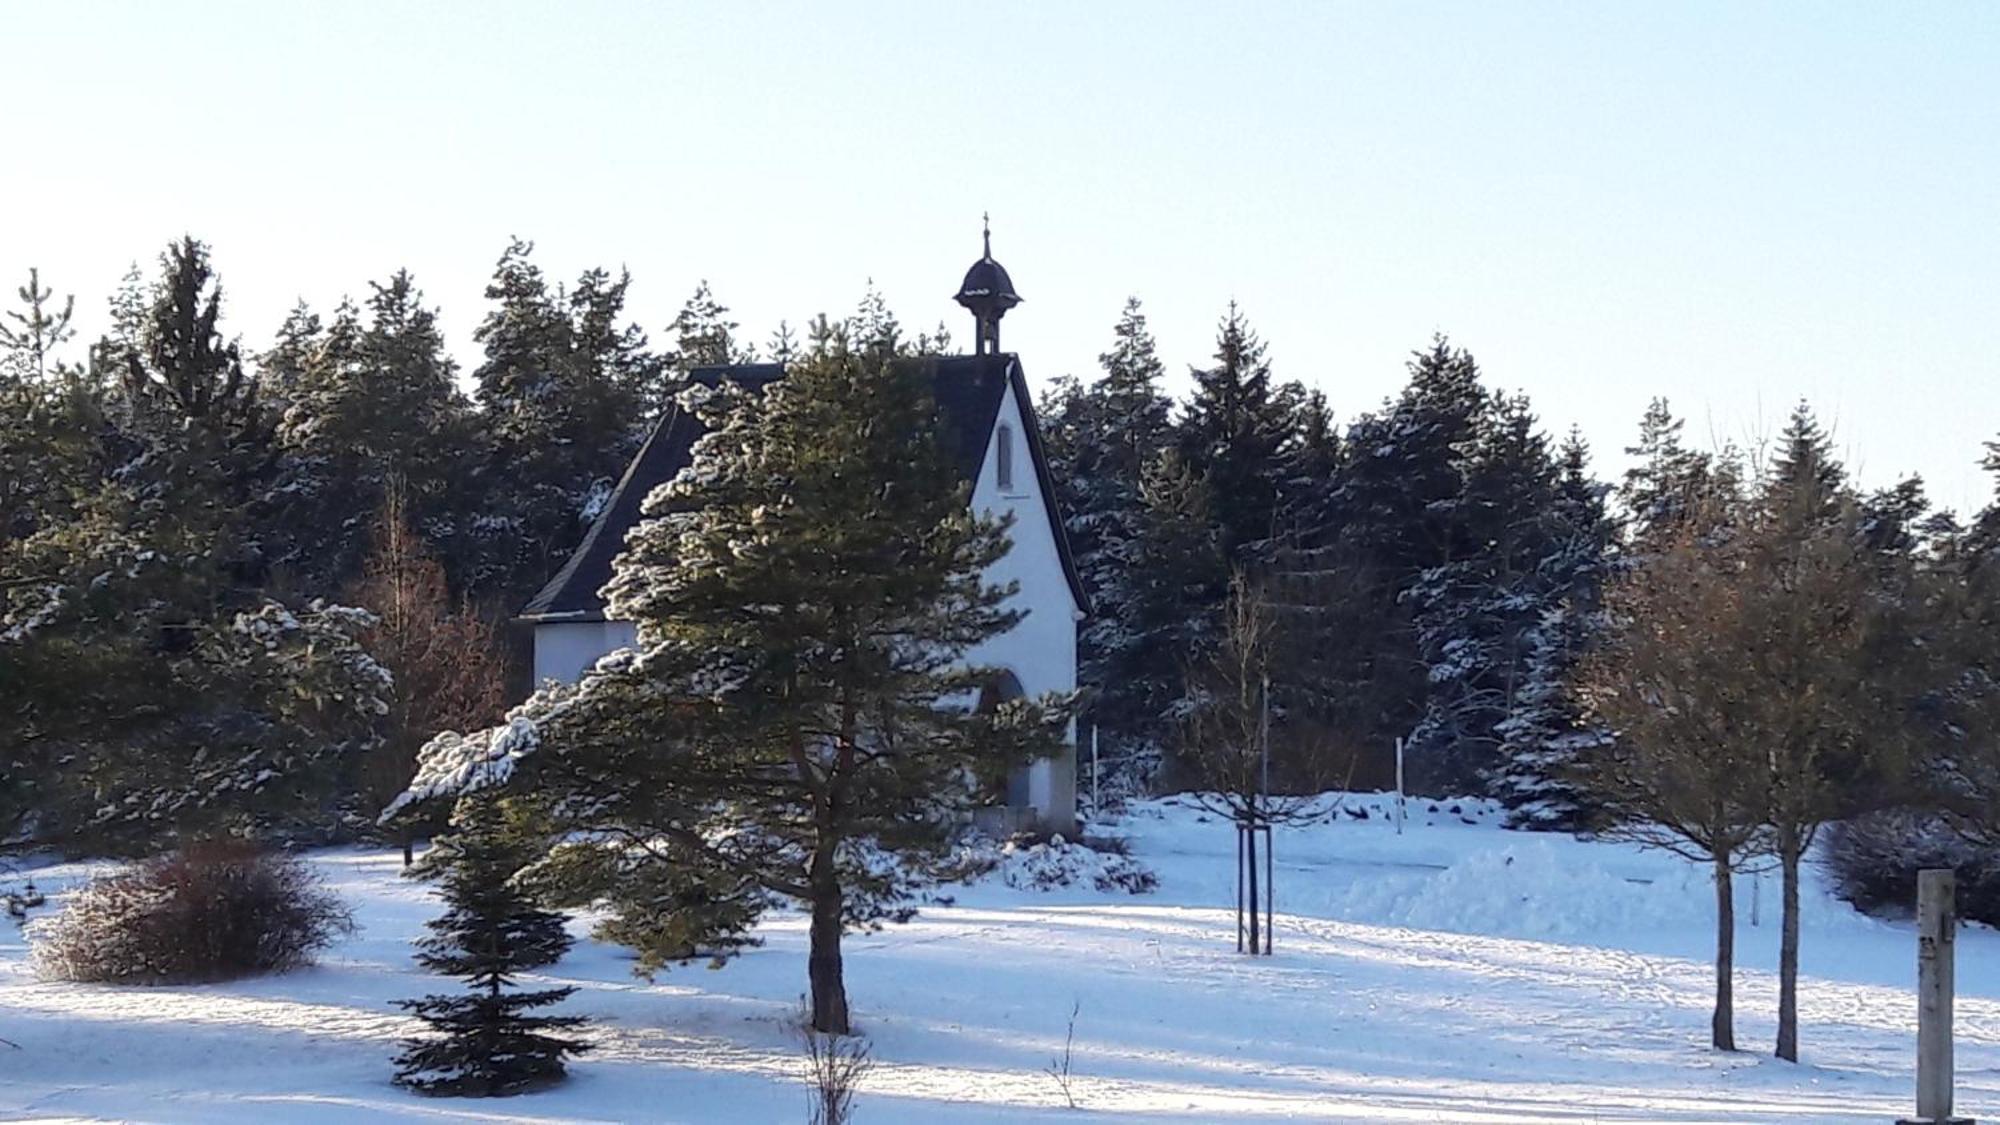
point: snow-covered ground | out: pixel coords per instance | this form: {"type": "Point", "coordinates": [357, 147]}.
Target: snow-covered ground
{"type": "Point", "coordinates": [1455, 973]}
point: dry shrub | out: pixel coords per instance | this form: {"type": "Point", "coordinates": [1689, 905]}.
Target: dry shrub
{"type": "Point", "coordinates": [209, 912]}
{"type": "Point", "coordinates": [835, 1065]}
{"type": "Point", "coordinates": [1874, 860]}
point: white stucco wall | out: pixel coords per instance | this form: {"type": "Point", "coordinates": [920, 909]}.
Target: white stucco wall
{"type": "Point", "coordinates": [565, 650]}
{"type": "Point", "coordinates": [1041, 650]}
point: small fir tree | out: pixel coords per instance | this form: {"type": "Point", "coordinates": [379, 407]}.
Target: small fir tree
{"type": "Point", "coordinates": [488, 1045]}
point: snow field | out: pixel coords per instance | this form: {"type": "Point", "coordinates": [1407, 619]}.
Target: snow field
{"type": "Point", "coordinates": [1457, 973]}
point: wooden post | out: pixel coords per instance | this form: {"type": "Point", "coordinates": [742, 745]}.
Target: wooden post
{"type": "Point", "coordinates": [1937, 937]}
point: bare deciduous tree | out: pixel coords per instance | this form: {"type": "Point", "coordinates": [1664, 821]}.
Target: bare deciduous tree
{"type": "Point", "coordinates": [1758, 684]}
{"type": "Point", "coordinates": [448, 662]}
{"type": "Point", "coordinates": [1678, 777]}
{"type": "Point", "coordinates": [1232, 743]}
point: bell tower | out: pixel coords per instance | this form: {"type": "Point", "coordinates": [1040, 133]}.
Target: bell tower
{"type": "Point", "coordinates": [987, 292]}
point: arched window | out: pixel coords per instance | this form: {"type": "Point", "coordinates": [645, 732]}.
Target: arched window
{"type": "Point", "coordinates": [1003, 458]}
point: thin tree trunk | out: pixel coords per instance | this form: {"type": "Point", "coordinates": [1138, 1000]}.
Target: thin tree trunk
{"type": "Point", "coordinates": [1788, 957]}
{"type": "Point", "coordinates": [823, 967]}
{"type": "Point", "coordinates": [409, 849]}
{"type": "Point", "coordinates": [1722, 1027]}
{"type": "Point", "coordinates": [1256, 945]}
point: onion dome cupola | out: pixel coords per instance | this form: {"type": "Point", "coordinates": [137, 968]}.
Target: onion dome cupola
{"type": "Point", "coordinates": [987, 292]}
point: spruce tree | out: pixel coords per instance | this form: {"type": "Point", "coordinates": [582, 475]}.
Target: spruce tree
{"type": "Point", "coordinates": [1400, 513]}
{"type": "Point", "coordinates": [1100, 439]}
{"type": "Point", "coordinates": [487, 1044]}
{"type": "Point", "coordinates": [1548, 743]}
{"type": "Point", "coordinates": [1473, 611]}
{"type": "Point", "coordinates": [1233, 432]}
{"type": "Point", "coordinates": [1668, 481]}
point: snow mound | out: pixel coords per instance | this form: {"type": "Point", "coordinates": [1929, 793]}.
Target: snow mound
{"type": "Point", "coordinates": [1530, 888]}
{"type": "Point", "coordinates": [1059, 863]}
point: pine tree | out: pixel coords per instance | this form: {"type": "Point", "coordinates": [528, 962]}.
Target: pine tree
{"type": "Point", "coordinates": [794, 721]}
{"type": "Point", "coordinates": [49, 466]}
{"type": "Point", "coordinates": [703, 336]}
{"type": "Point", "coordinates": [28, 344]}
{"type": "Point", "coordinates": [488, 1045]}
{"type": "Point", "coordinates": [179, 696]}
{"type": "Point", "coordinates": [562, 422]}
{"type": "Point", "coordinates": [373, 399]}
{"type": "Point", "coordinates": [620, 351]}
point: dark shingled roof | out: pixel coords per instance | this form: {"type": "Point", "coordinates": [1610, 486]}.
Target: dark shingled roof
{"type": "Point", "coordinates": [968, 389]}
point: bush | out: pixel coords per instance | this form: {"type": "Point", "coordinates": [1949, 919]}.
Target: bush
{"type": "Point", "coordinates": [208, 912]}
{"type": "Point", "coordinates": [1874, 861]}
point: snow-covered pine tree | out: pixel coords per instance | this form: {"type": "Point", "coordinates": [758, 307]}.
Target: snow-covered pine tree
{"type": "Point", "coordinates": [1100, 439]}
{"type": "Point", "coordinates": [178, 695]}
{"type": "Point", "coordinates": [703, 335]}
{"type": "Point", "coordinates": [795, 720]}
{"type": "Point", "coordinates": [616, 348]}
{"type": "Point", "coordinates": [1547, 741]}
{"type": "Point", "coordinates": [562, 422]}
{"type": "Point", "coordinates": [371, 400]}
{"type": "Point", "coordinates": [487, 1044]}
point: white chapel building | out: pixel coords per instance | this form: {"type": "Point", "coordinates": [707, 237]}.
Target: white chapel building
{"type": "Point", "coordinates": [984, 403]}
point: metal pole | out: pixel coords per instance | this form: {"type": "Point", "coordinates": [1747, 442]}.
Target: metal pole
{"type": "Point", "coordinates": [1096, 805]}
{"type": "Point", "coordinates": [1400, 813]}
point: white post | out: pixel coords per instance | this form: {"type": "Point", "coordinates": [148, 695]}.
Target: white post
{"type": "Point", "coordinates": [1937, 936]}
{"type": "Point", "coordinates": [1096, 805]}
{"type": "Point", "coordinates": [1399, 787]}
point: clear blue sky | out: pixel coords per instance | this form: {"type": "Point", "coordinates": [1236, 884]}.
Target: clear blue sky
{"type": "Point", "coordinates": [1731, 204]}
